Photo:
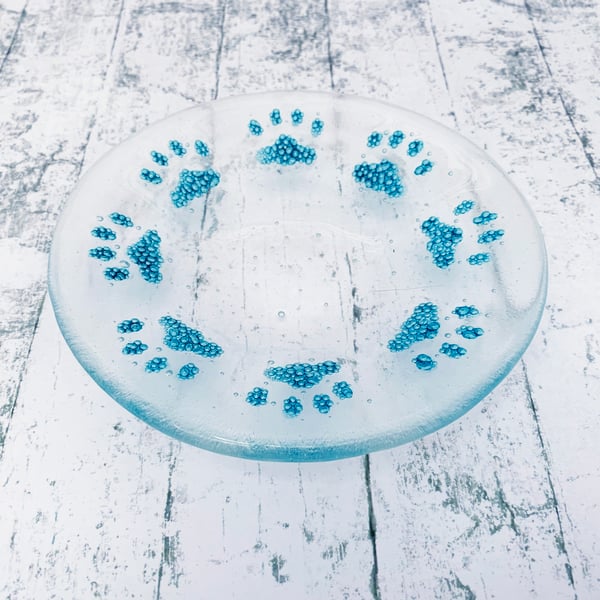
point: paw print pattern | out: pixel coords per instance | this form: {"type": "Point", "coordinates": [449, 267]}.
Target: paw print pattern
{"type": "Point", "coordinates": [444, 238]}
{"type": "Point", "coordinates": [145, 253]}
{"type": "Point", "coordinates": [286, 150]}
{"type": "Point", "coordinates": [178, 337]}
{"type": "Point", "coordinates": [301, 377]}
{"type": "Point", "coordinates": [384, 176]}
{"type": "Point", "coordinates": [192, 183]}
{"type": "Point", "coordinates": [424, 324]}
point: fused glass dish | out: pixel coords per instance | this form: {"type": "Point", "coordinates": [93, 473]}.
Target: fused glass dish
{"type": "Point", "coordinates": [297, 276]}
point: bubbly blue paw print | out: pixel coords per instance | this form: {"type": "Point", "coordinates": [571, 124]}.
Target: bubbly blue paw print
{"type": "Point", "coordinates": [191, 183]}
{"type": "Point", "coordinates": [144, 253]}
{"type": "Point", "coordinates": [424, 324]}
{"type": "Point", "coordinates": [385, 176]}
{"type": "Point", "coordinates": [286, 150]}
{"type": "Point", "coordinates": [177, 336]}
{"type": "Point", "coordinates": [301, 377]}
{"type": "Point", "coordinates": [444, 238]}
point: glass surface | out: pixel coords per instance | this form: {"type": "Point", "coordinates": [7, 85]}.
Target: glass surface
{"type": "Point", "coordinates": [297, 276]}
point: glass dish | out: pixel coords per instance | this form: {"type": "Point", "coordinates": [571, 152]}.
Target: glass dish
{"type": "Point", "coordinates": [297, 276]}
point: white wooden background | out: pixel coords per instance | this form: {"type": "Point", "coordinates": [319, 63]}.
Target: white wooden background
{"type": "Point", "coordinates": [502, 504]}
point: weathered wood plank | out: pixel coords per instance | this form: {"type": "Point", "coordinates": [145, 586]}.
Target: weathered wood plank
{"type": "Point", "coordinates": [46, 120]}
{"type": "Point", "coordinates": [475, 66]}
{"type": "Point", "coordinates": [285, 528]}
{"type": "Point", "coordinates": [529, 102]}
{"type": "Point", "coordinates": [81, 503]}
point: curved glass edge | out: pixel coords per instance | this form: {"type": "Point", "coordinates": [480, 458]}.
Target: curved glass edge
{"type": "Point", "coordinates": [349, 449]}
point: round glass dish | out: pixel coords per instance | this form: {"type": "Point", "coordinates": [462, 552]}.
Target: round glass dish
{"type": "Point", "coordinates": [297, 276]}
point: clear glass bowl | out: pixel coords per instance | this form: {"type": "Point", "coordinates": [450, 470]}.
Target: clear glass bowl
{"type": "Point", "coordinates": [297, 276]}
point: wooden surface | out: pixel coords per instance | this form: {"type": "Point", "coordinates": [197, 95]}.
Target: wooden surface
{"type": "Point", "coordinates": [503, 503]}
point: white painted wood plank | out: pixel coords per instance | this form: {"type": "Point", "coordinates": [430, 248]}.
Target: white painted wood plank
{"type": "Point", "coordinates": [46, 115]}
{"type": "Point", "coordinates": [82, 486]}
{"type": "Point", "coordinates": [528, 102]}
{"type": "Point", "coordinates": [326, 544]}
{"type": "Point", "coordinates": [464, 53]}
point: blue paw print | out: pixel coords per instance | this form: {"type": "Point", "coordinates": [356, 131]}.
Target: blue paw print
{"type": "Point", "coordinates": [385, 176]}
{"type": "Point", "coordinates": [301, 377]}
{"type": "Point", "coordinates": [144, 253]}
{"type": "Point", "coordinates": [424, 324]}
{"type": "Point", "coordinates": [191, 183]}
{"type": "Point", "coordinates": [286, 150]}
{"type": "Point", "coordinates": [444, 238]}
{"type": "Point", "coordinates": [178, 337]}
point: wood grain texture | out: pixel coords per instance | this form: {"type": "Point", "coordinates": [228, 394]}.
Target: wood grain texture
{"type": "Point", "coordinates": [502, 503]}
{"type": "Point", "coordinates": [53, 68]}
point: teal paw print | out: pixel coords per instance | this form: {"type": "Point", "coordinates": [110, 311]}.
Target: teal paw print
{"type": "Point", "coordinates": [301, 377]}
{"type": "Point", "coordinates": [286, 150]}
{"type": "Point", "coordinates": [178, 338]}
{"type": "Point", "coordinates": [424, 324]}
{"type": "Point", "coordinates": [190, 183]}
{"type": "Point", "coordinates": [144, 253]}
{"type": "Point", "coordinates": [384, 175]}
{"type": "Point", "coordinates": [444, 238]}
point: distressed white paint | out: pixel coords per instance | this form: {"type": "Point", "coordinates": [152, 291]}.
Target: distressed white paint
{"type": "Point", "coordinates": [503, 503]}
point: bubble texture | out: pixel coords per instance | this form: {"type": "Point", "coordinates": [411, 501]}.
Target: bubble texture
{"type": "Point", "coordinates": [381, 177]}
{"type": "Point", "coordinates": [485, 217]}
{"type": "Point", "coordinates": [102, 253]}
{"type": "Point", "coordinates": [104, 233]}
{"type": "Point", "coordinates": [188, 371]}
{"type": "Point", "coordinates": [177, 148]}
{"type": "Point", "coordinates": [424, 362]}
{"type": "Point", "coordinates": [487, 237]}
{"type": "Point", "coordinates": [130, 326]}
{"type": "Point", "coordinates": [145, 253]}
{"type": "Point", "coordinates": [414, 147]}
{"type": "Point", "coordinates": [201, 148]}
{"type": "Point", "coordinates": [257, 397]}
{"type": "Point", "coordinates": [193, 184]}
{"type": "Point", "coordinates": [323, 403]}
{"type": "Point", "coordinates": [116, 273]}
{"type": "Point", "coordinates": [297, 116]}
{"type": "Point", "coordinates": [120, 219]}
{"type": "Point", "coordinates": [479, 259]}
{"type": "Point", "coordinates": [469, 333]}
{"type": "Point", "coordinates": [452, 350]}
{"type": "Point", "coordinates": [286, 151]}
{"type": "Point", "coordinates": [292, 406]}
{"type": "Point", "coordinates": [423, 168]}
{"type": "Point", "coordinates": [136, 347]}
{"type": "Point", "coordinates": [159, 159]}
{"type": "Point", "coordinates": [150, 176]}
{"type": "Point", "coordinates": [156, 364]}
{"type": "Point", "coordinates": [443, 240]}
{"type": "Point", "coordinates": [317, 127]}
{"type": "Point", "coordinates": [255, 127]}
{"type": "Point", "coordinates": [275, 117]}
{"type": "Point", "coordinates": [181, 338]}
{"type": "Point", "coordinates": [302, 375]}
{"type": "Point", "coordinates": [464, 207]}
{"type": "Point", "coordinates": [374, 139]}
{"type": "Point", "coordinates": [462, 312]}
{"type": "Point", "coordinates": [423, 324]}
{"type": "Point", "coordinates": [342, 389]}
{"type": "Point", "coordinates": [395, 139]}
